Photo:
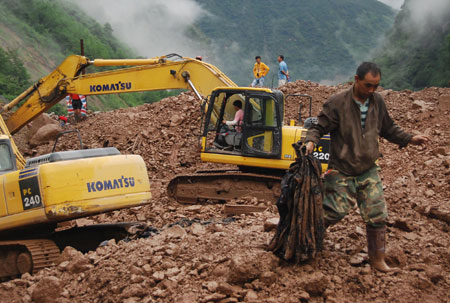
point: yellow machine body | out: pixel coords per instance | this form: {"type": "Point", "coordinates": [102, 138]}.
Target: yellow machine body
{"type": "Point", "coordinates": [65, 190]}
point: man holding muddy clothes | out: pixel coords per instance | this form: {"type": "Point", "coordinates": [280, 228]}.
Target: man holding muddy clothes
{"type": "Point", "coordinates": [356, 119]}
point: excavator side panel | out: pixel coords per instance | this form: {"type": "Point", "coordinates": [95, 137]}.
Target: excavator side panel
{"type": "Point", "coordinates": [84, 187]}
{"type": "Point", "coordinates": [65, 190]}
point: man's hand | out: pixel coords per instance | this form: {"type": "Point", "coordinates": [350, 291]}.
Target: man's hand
{"type": "Point", "coordinates": [224, 121]}
{"type": "Point", "coordinates": [309, 147]}
{"type": "Point", "coordinates": [419, 140]}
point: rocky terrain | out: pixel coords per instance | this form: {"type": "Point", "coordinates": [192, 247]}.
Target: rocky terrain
{"type": "Point", "coordinates": [197, 254]}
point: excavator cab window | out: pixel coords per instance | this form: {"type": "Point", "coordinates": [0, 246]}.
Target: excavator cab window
{"type": "Point", "coordinates": [259, 134]}
{"type": "Point", "coordinates": [219, 136]}
{"type": "Point", "coordinates": [262, 127]}
{"type": "Point", "coordinates": [7, 159]}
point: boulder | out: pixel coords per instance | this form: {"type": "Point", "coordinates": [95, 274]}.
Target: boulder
{"type": "Point", "coordinates": [47, 290]}
{"type": "Point", "coordinates": [45, 134]}
{"type": "Point", "coordinates": [39, 122]}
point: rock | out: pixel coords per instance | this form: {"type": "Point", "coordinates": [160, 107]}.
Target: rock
{"type": "Point", "coordinates": [189, 297]}
{"type": "Point", "coordinates": [77, 262]}
{"type": "Point", "coordinates": [439, 151]}
{"type": "Point", "coordinates": [243, 270]}
{"type": "Point", "coordinates": [444, 103]}
{"type": "Point", "coordinates": [435, 273]}
{"type": "Point", "coordinates": [198, 229]}
{"type": "Point", "coordinates": [316, 284]}
{"type": "Point", "coordinates": [214, 297]}
{"type": "Point", "coordinates": [133, 290]}
{"type": "Point", "coordinates": [445, 163]}
{"type": "Point", "coordinates": [176, 232]}
{"type": "Point", "coordinates": [147, 268]}
{"type": "Point", "coordinates": [171, 272]}
{"type": "Point", "coordinates": [141, 217]}
{"type": "Point", "coordinates": [176, 120]}
{"type": "Point", "coordinates": [47, 290]}
{"type": "Point", "coordinates": [194, 208]}
{"type": "Point", "coordinates": [220, 270]}
{"type": "Point", "coordinates": [136, 279]}
{"type": "Point", "coordinates": [396, 256]}
{"type": "Point", "coordinates": [268, 277]}
{"type": "Point", "coordinates": [168, 284]}
{"type": "Point", "coordinates": [212, 286]}
{"type": "Point", "coordinates": [38, 122]}
{"type": "Point", "coordinates": [158, 276]}
{"type": "Point", "coordinates": [45, 134]}
{"type": "Point", "coordinates": [410, 236]}
{"type": "Point", "coordinates": [366, 270]}
{"type": "Point", "coordinates": [271, 223]}
{"type": "Point", "coordinates": [251, 296]}
{"type": "Point", "coordinates": [136, 270]}
{"type": "Point", "coordinates": [429, 193]}
{"type": "Point", "coordinates": [303, 296]}
{"type": "Point", "coordinates": [357, 259]}
{"type": "Point", "coordinates": [225, 288]}
{"type": "Point", "coordinates": [421, 282]}
{"type": "Point", "coordinates": [420, 104]}
{"type": "Point", "coordinates": [403, 224]}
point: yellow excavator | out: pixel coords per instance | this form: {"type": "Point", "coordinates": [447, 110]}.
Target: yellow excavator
{"type": "Point", "coordinates": [62, 186]}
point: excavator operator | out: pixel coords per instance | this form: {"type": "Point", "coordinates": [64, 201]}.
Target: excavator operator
{"type": "Point", "coordinates": [229, 139]}
{"type": "Point", "coordinates": [238, 117]}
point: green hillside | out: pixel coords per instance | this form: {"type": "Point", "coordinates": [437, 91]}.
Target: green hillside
{"type": "Point", "coordinates": [414, 57]}
{"type": "Point", "coordinates": [39, 34]}
{"type": "Point", "coordinates": [321, 39]}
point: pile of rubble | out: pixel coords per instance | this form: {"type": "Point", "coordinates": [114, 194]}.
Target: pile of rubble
{"type": "Point", "coordinates": [200, 255]}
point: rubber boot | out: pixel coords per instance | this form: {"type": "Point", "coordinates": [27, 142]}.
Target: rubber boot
{"type": "Point", "coordinates": [376, 244]}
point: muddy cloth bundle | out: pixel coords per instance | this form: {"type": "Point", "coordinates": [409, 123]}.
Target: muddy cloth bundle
{"type": "Point", "coordinates": [300, 231]}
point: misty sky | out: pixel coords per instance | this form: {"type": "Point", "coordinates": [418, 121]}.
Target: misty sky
{"type": "Point", "coordinates": [152, 28]}
{"type": "Point", "coordinates": [394, 3]}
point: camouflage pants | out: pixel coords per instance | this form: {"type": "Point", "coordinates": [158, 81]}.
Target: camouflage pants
{"type": "Point", "coordinates": [343, 192]}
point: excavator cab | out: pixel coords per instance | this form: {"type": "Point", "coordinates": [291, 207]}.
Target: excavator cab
{"type": "Point", "coordinates": [258, 135]}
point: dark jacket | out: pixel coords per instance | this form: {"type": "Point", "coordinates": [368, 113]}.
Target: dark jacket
{"type": "Point", "coordinates": [354, 150]}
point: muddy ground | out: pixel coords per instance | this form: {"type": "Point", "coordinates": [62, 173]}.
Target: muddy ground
{"type": "Point", "coordinates": [199, 255]}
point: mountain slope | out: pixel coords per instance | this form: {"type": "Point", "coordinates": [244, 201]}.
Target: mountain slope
{"type": "Point", "coordinates": [44, 32]}
{"type": "Point", "coordinates": [416, 53]}
{"type": "Point", "coordinates": [320, 39]}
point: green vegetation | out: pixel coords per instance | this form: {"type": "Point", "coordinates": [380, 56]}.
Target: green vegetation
{"type": "Point", "coordinates": [14, 78]}
{"type": "Point", "coordinates": [321, 39]}
{"type": "Point", "coordinates": [51, 30]}
{"type": "Point", "coordinates": [416, 56]}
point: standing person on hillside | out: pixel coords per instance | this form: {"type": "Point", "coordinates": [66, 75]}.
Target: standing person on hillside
{"type": "Point", "coordinates": [77, 104]}
{"type": "Point", "coordinates": [356, 119]}
{"type": "Point", "coordinates": [260, 71]}
{"type": "Point", "coordinates": [283, 73]}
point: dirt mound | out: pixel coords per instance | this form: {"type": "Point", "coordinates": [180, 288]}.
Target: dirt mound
{"type": "Point", "coordinates": [199, 255]}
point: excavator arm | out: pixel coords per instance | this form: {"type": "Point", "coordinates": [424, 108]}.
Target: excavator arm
{"type": "Point", "coordinates": [145, 75]}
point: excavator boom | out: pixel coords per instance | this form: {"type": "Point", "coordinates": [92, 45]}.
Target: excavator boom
{"type": "Point", "coordinates": [146, 75]}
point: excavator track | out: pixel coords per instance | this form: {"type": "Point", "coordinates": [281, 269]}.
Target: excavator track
{"type": "Point", "coordinates": [22, 256]}
{"type": "Point", "coordinates": [222, 186]}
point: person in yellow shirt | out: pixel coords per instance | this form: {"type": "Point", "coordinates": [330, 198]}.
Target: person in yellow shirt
{"type": "Point", "coordinates": [260, 70]}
